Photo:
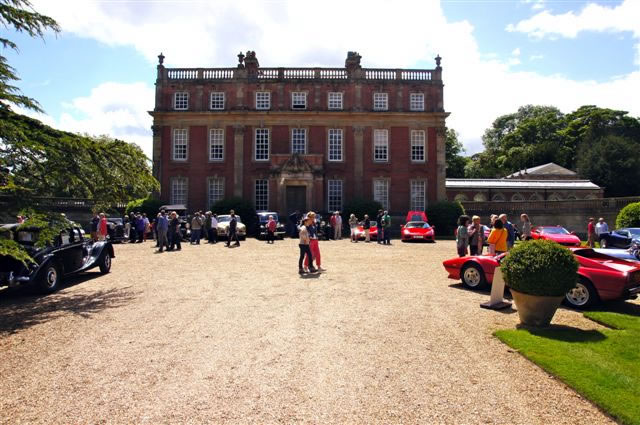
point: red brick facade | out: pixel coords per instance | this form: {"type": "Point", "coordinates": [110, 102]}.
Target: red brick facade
{"type": "Point", "coordinates": [308, 178]}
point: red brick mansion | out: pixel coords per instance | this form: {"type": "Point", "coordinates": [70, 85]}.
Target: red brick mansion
{"type": "Point", "coordinates": [300, 138]}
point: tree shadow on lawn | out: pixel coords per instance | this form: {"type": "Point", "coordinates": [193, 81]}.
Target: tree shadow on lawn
{"type": "Point", "coordinates": [21, 309]}
{"type": "Point", "coordinates": [565, 333]}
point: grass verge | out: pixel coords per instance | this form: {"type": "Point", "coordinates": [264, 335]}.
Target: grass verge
{"type": "Point", "coordinates": [603, 366]}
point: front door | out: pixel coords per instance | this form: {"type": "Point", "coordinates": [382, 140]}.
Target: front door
{"type": "Point", "coordinates": [296, 199]}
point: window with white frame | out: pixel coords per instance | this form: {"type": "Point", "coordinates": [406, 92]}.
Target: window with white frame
{"type": "Point", "coordinates": [180, 143]}
{"type": "Point", "coordinates": [262, 144]}
{"type": "Point", "coordinates": [181, 100]}
{"type": "Point", "coordinates": [416, 101]}
{"type": "Point", "coordinates": [215, 190]}
{"type": "Point", "coordinates": [299, 140]}
{"type": "Point", "coordinates": [381, 192]}
{"type": "Point", "coordinates": [380, 145]}
{"type": "Point", "coordinates": [262, 195]}
{"type": "Point", "coordinates": [380, 102]}
{"type": "Point", "coordinates": [216, 144]}
{"type": "Point", "coordinates": [334, 195]}
{"type": "Point", "coordinates": [418, 192]}
{"type": "Point", "coordinates": [179, 190]}
{"type": "Point", "coordinates": [298, 100]}
{"type": "Point", "coordinates": [335, 100]}
{"type": "Point", "coordinates": [263, 100]}
{"type": "Point", "coordinates": [335, 144]}
{"type": "Point", "coordinates": [417, 146]}
{"type": "Point", "coordinates": [217, 100]}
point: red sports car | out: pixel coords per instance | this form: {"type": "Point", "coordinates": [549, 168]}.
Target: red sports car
{"type": "Point", "coordinates": [416, 216]}
{"type": "Point", "coordinates": [557, 234]}
{"type": "Point", "coordinates": [417, 231]}
{"type": "Point", "coordinates": [373, 232]}
{"type": "Point", "coordinates": [600, 276]}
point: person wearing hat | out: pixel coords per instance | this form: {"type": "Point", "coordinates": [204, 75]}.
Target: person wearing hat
{"type": "Point", "coordinates": [303, 244]}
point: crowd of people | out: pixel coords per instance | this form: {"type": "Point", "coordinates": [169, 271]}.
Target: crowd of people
{"type": "Point", "coordinates": [594, 230]}
{"type": "Point", "coordinates": [383, 226]}
{"type": "Point", "coordinates": [471, 238]}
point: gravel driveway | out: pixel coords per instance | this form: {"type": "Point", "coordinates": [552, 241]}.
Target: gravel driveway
{"type": "Point", "coordinates": [220, 335]}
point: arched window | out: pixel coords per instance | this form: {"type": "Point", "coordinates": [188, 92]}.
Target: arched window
{"type": "Point", "coordinates": [535, 197]}
{"type": "Point", "coordinates": [517, 197]}
{"type": "Point", "coordinates": [498, 197]}
{"type": "Point", "coordinates": [480, 197]}
{"type": "Point", "coordinates": [461, 197]}
{"type": "Point", "coordinates": [572, 197]}
{"type": "Point", "coordinates": [555, 197]}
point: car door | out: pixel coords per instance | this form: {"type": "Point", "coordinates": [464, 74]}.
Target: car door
{"type": "Point", "coordinates": [69, 250]}
{"type": "Point", "coordinates": [621, 238]}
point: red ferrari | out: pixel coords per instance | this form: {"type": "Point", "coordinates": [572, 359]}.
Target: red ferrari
{"type": "Point", "coordinates": [557, 234]}
{"type": "Point", "coordinates": [417, 231]}
{"type": "Point", "coordinates": [600, 276]}
{"type": "Point", "coordinates": [373, 232]}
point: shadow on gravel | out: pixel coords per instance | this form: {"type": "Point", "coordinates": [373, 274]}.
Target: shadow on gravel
{"type": "Point", "coordinates": [21, 309]}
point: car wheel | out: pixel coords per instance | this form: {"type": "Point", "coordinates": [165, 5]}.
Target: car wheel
{"type": "Point", "coordinates": [604, 243]}
{"type": "Point", "coordinates": [582, 296]}
{"type": "Point", "coordinates": [51, 279]}
{"type": "Point", "coordinates": [473, 276]}
{"type": "Point", "coordinates": [105, 263]}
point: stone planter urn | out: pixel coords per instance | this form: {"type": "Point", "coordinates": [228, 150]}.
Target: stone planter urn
{"type": "Point", "coordinates": [535, 310]}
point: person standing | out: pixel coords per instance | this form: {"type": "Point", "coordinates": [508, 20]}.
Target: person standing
{"type": "Point", "coordinates": [367, 228]}
{"type": "Point", "coordinates": [140, 228]}
{"type": "Point", "coordinates": [233, 227]}
{"type": "Point", "coordinates": [147, 226]}
{"type": "Point", "coordinates": [271, 229]}
{"type": "Point", "coordinates": [601, 228]}
{"type": "Point", "coordinates": [206, 226]}
{"type": "Point", "coordinates": [511, 233]}
{"type": "Point", "coordinates": [162, 227]}
{"type": "Point", "coordinates": [293, 222]}
{"type": "Point", "coordinates": [498, 239]}
{"type": "Point", "coordinates": [196, 227]}
{"type": "Point", "coordinates": [174, 232]}
{"type": "Point", "coordinates": [312, 230]}
{"type": "Point", "coordinates": [132, 230]}
{"type": "Point", "coordinates": [386, 223]}
{"type": "Point", "coordinates": [95, 222]}
{"type": "Point", "coordinates": [462, 236]}
{"type": "Point", "coordinates": [338, 234]}
{"type": "Point", "coordinates": [102, 227]}
{"type": "Point", "coordinates": [380, 227]}
{"type": "Point", "coordinates": [303, 244]}
{"type": "Point", "coordinates": [526, 227]}
{"type": "Point", "coordinates": [353, 226]}
{"type": "Point", "coordinates": [476, 236]}
{"type": "Point", "coordinates": [214, 228]}
{"type": "Point", "coordinates": [127, 226]}
{"type": "Point", "coordinates": [591, 233]}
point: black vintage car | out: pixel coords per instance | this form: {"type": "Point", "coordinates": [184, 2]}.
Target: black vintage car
{"type": "Point", "coordinates": [620, 238]}
{"type": "Point", "coordinates": [262, 218]}
{"type": "Point", "coordinates": [70, 253]}
{"type": "Point", "coordinates": [115, 229]}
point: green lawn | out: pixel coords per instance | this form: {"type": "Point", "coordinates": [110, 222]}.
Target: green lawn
{"type": "Point", "coordinates": [603, 366]}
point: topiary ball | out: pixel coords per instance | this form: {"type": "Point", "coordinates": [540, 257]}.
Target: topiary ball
{"type": "Point", "coordinates": [540, 267]}
{"type": "Point", "coordinates": [629, 216]}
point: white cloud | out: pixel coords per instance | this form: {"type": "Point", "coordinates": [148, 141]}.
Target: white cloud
{"type": "Point", "coordinates": [535, 4]}
{"type": "Point", "coordinates": [478, 88]}
{"type": "Point", "coordinates": [516, 51]}
{"type": "Point", "coordinates": [536, 57]}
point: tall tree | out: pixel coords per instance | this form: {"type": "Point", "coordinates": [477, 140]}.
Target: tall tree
{"type": "Point", "coordinates": [453, 150]}
{"type": "Point", "coordinates": [20, 15]}
{"type": "Point", "coordinates": [42, 161]}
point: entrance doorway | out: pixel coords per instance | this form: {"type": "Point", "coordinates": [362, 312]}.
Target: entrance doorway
{"type": "Point", "coordinates": [296, 199]}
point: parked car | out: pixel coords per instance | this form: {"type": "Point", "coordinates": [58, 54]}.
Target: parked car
{"type": "Point", "coordinates": [373, 231]}
{"type": "Point", "coordinates": [115, 229]}
{"type": "Point", "coordinates": [630, 254]}
{"type": "Point", "coordinates": [416, 216]}
{"type": "Point", "coordinates": [223, 227]}
{"type": "Point", "coordinates": [261, 221]}
{"type": "Point", "coordinates": [557, 234]}
{"type": "Point", "coordinates": [620, 238]}
{"type": "Point", "coordinates": [601, 277]}
{"type": "Point", "coordinates": [70, 253]}
{"type": "Point", "coordinates": [417, 231]}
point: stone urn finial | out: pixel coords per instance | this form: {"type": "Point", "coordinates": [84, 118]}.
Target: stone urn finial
{"type": "Point", "coordinates": [160, 58]}
{"type": "Point", "coordinates": [240, 60]}
{"type": "Point", "coordinates": [438, 59]}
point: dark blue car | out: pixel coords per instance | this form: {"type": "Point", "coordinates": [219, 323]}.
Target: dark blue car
{"type": "Point", "coordinates": [620, 238]}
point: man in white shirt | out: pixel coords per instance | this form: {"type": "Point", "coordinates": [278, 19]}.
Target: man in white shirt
{"type": "Point", "coordinates": [601, 227]}
{"type": "Point", "coordinates": [338, 228]}
{"type": "Point", "coordinates": [214, 229]}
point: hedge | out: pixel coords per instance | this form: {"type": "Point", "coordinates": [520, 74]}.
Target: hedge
{"type": "Point", "coordinates": [444, 216]}
{"type": "Point", "coordinates": [629, 216]}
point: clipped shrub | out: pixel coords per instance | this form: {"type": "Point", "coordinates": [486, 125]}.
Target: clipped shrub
{"type": "Point", "coordinates": [540, 267]}
{"type": "Point", "coordinates": [150, 206]}
{"type": "Point", "coordinates": [242, 207]}
{"type": "Point", "coordinates": [444, 216]}
{"type": "Point", "coordinates": [360, 207]}
{"type": "Point", "coordinates": [629, 216]}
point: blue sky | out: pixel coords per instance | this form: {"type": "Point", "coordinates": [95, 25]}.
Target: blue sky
{"type": "Point", "coordinates": [97, 75]}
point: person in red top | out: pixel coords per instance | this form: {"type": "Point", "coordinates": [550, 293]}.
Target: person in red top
{"type": "Point", "coordinates": [102, 227]}
{"type": "Point", "coordinates": [591, 232]}
{"type": "Point", "coordinates": [271, 229]}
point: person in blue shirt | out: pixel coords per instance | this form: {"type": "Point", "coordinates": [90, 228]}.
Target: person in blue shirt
{"type": "Point", "coordinates": [162, 226]}
{"type": "Point", "coordinates": [511, 233]}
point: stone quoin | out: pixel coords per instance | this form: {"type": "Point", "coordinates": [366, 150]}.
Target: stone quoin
{"type": "Point", "coordinates": [299, 138]}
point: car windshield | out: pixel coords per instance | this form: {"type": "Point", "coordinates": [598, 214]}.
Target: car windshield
{"type": "Point", "coordinates": [417, 224]}
{"type": "Point", "coordinates": [227, 218]}
{"type": "Point", "coordinates": [554, 231]}
{"type": "Point", "coordinates": [25, 236]}
{"type": "Point", "coordinates": [265, 217]}
{"type": "Point", "coordinates": [634, 231]}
